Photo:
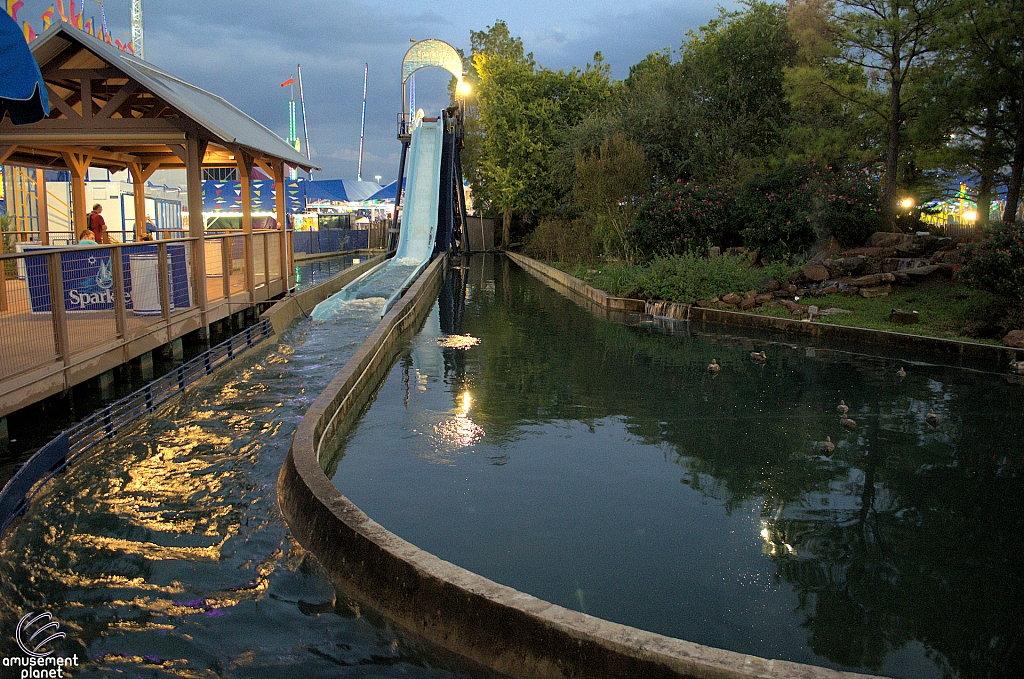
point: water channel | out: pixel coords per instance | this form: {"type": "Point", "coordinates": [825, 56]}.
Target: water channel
{"type": "Point", "coordinates": [163, 552]}
{"type": "Point", "coordinates": [594, 464]}
{"type": "Point", "coordinates": [600, 466]}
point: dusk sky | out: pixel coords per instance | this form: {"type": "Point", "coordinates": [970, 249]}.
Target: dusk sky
{"type": "Point", "coordinates": [243, 50]}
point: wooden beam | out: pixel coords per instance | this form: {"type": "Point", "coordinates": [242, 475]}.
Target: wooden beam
{"type": "Point", "coordinates": [265, 165]}
{"type": "Point", "coordinates": [282, 220]}
{"type": "Point", "coordinates": [243, 161]}
{"type": "Point", "coordinates": [179, 151]}
{"type": "Point", "coordinates": [61, 105]}
{"type": "Point", "coordinates": [140, 174]}
{"type": "Point", "coordinates": [195, 149]}
{"type": "Point", "coordinates": [6, 151]}
{"type": "Point", "coordinates": [80, 73]}
{"type": "Point", "coordinates": [118, 99]}
{"type": "Point", "coordinates": [87, 103]}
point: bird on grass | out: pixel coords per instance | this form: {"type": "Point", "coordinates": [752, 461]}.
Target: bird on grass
{"type": "Point", "coordinates": [714, 367]}
{"type": "Point", "coordinates": [758, 356]}
{"type": "Point", "coordinates": [847, 422]}
{"type": "Point", "coordinates": [901, 373]}
{"type": "Point", "coordinates": [827, 447]}
{"type": "Point", "coordinates": [932, 418]}
{"type": "Point", "coordinates": [843, 408]}
{"type": "Point", "coordinates": [1017, 367]}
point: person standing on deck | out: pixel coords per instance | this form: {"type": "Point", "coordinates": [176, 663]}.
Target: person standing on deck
{"type": "Point", "coordinates": [97, 225]}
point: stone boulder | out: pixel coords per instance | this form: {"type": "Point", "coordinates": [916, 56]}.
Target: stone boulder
{"type": "Point", "coordinates": [815, 273]}
{"type": "Point", "coordinates": [732, 299]}
{"type": "Point", "coordinates": [1014, 338]}
{"type": "Point", "coordinates": [873, 279]}
{"type": "Point", "coordinates": [876, 291]}
{"type": "Point", "coordinates": [922, 272]}
{"type": "Point", "coordinates": [885, 239]}
{"type": "Point", "coordinates": [847, 266]}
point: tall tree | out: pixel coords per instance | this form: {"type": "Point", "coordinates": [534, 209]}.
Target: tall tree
{"type": "Point", "coordinates": [892, 40]}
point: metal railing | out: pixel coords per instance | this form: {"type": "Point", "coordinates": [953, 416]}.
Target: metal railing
{"type": "Point", "coordinates": [56, 455]}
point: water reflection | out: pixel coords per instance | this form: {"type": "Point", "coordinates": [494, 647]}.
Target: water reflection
{"type": "Point", "coordinates": [616, 470]}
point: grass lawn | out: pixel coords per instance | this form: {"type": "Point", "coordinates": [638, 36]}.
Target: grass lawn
{"type": "Point", "coordinates": [948, 309]}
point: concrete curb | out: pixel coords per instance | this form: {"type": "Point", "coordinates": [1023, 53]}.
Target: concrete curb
{"type": "Point", "coordinates": [986, 356]}
{"type": "Point", "coordinates": [499, 627]}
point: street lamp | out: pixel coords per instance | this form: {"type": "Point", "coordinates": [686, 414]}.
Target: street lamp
{"type": "Point", "coordinates": [377, 177]}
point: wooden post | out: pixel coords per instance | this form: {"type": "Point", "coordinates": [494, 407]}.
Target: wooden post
{"type": "Point", "coordinates": [225, 264]}
{"type": "Point", "coordinates": [163, 275]}
{"type": "Point", "coordinates": [195, 149]}
{"type": "Point", "coordinates": [57, 312]}
{"type": "Point", "coordinates": [244, 161]}
{"type": "Point", "coordinates": [44, 216]}
{"type": "Point", "coordinates": [282, 221]}
{"type": "Point", "coordinates": [140, 175]}
{"type": "Point", "coordinates": [117, 270]}
{"type": "Point", "coordinates": [266, 262]}
{"type": "Point", "coordinates": [78, 164]}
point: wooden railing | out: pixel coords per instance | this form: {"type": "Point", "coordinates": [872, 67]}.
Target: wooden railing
{"type": "Point", "coordinates": [71, 313]}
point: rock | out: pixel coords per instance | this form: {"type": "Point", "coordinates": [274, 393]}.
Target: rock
{"type": "Point", "coordinates": [793, 306]}
{"type": "Point", "coordinates": [826, 251]}
{"type": "Point", "coordinates": [873, 279]}
{"type": "Point", "coordinates": [876, 291]}
{"type": "Point", "coordinates": [884, 239]}
{"type": "Point", "coordinates": [833, 310]}
{"type": "Point", "coordinates": [850, 291]}
{"type": "Point", "coordinates": [815, 273]}
{"type": "Point", "coordinates": [731, 299]}
{"type": "Point", "coordinates": [830, 290]}
{"type": "Point", "coordinates": [922, 272]}
{"type": "Point", "coordinates": [762, 299]}
{"type": "Point", "coordinates": [954, 257]}
{"type": "Point", "coordinates": [725, 307]}
{"type": "Point", "coordinates": [714, 251]}
{"type": "Point", "coordinates": [794, 277]}
{"type": "Point", "coordinates": [903, 317]}
{"type": "Point", "coordinates": [703, 304]}
{"type": "Point", "coordinates": [847, 266]}
{"type": "Point", "coordinates": [748, 303]}
{"type": "Point", "coordinates": [902, 278]}
{"type": "Point", "coordinates": [1014, 338]}
{"type": "Point", "coordinates": [774, 285]}
{"type": "Point", "coordinates": [791, 289]}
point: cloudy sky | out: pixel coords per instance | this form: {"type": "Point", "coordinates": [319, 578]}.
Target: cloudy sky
{"type": "Point", "coordinates": [243, 49]}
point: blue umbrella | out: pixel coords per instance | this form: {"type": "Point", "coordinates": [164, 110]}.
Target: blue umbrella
{"type": "Point", "coordinates": [22, 91]}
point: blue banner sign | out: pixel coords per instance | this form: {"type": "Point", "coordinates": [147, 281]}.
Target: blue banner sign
{"type": "Point", "coordinates": [88, 279]}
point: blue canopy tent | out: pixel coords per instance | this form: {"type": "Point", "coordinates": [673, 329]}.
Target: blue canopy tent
{"type": "Point", "coordinates": [22, 91]}
{"type": "Point", "coordinates": [387, 192]}
{"type": "Point", "coordinates": [340, 191]}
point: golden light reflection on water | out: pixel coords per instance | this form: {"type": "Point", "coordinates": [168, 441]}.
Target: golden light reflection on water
{"type": "Point", "coordinates": [458, 341]}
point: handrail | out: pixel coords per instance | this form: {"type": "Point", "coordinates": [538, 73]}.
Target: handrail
{"type": "Point", "coordinates": [54, 249]}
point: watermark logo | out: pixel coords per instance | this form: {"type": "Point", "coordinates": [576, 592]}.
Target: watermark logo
{"type": "Point", "coordinates": [32, 636]}
{"type": "Point", "coordinates": [34, 633]}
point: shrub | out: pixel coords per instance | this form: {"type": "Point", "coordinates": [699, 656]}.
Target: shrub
{"type": "Point", "coordinates": [788, 209]}
{"type": "Point", "coordinates": [564, 240]}
{"type": "Point", "coordinates": [997, 264]}
{"type": "Point", "coordinates": [689, 277]}
{"type": "Point", "coordinates": [681, 218]}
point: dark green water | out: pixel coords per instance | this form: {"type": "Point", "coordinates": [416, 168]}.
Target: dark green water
{"type": "Point", "coordinates": [599, 466]}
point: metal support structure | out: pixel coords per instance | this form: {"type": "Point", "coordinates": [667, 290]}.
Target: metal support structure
{"type": "Point", "coordinates": [137, 43]}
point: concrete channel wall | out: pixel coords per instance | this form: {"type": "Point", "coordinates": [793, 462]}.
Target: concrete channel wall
{"type": "Point", "coordinates": [499, 627]}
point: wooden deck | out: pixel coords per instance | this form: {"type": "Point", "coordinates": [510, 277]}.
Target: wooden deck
{"type": "Point", "coordinates": [45, 352]}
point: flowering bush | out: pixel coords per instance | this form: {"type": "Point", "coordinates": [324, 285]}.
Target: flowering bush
{"type": "Point", "coordinates": [681, 218]}
{"type": "Point", "coordinates": [785, 211]}
{"type": "Point", "coordinates": [998, 262]}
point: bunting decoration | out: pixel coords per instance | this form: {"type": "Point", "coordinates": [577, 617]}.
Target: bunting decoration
{"type": "Point", "coordinates": [47, 17]}
{"type": "Point", "coordinates": [226, 196]}
{"type": "Point", "coordinates": [12, 8]}
{"type": "Point", "coordinates": [60, 8]}
{"type": "Point", "coordinates": [88, 27]}
{"type": "Point", "coordinates": [76, 17]}
{"type": "Point", "coordinates": [30, 34]}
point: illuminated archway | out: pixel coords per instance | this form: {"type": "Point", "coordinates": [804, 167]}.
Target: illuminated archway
{"type": "Point", "coordinates": [429, 54]}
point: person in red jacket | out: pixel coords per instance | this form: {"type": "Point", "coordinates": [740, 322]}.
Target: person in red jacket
{"type": "Point", "coordinates": [96, 223]}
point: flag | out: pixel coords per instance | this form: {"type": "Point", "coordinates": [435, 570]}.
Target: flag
{"type": "Point", "coordinates": [120, 45]}
{"type": "Point", "coordinates": [47, 17]}
{"type": "Point", "coordinates": [76, 17]}
{"type": "Point", "coordinates": [130, 47]}
{"type": "Point", "coordinates": [60, 8]}
{"type": "Point", "coordinates": [88, 26]}
{"type": "Point", "coordinates": [30, 34]}
{"type": "Point", "coordinates": [12, 8]}
{"type": "Point", "coordinates": [289, 81]}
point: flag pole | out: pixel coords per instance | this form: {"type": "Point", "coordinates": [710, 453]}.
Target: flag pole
{"type": "Point", "coordinates": [362, 125]}
{"type": "Point", "coordinates": [302, 105]}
